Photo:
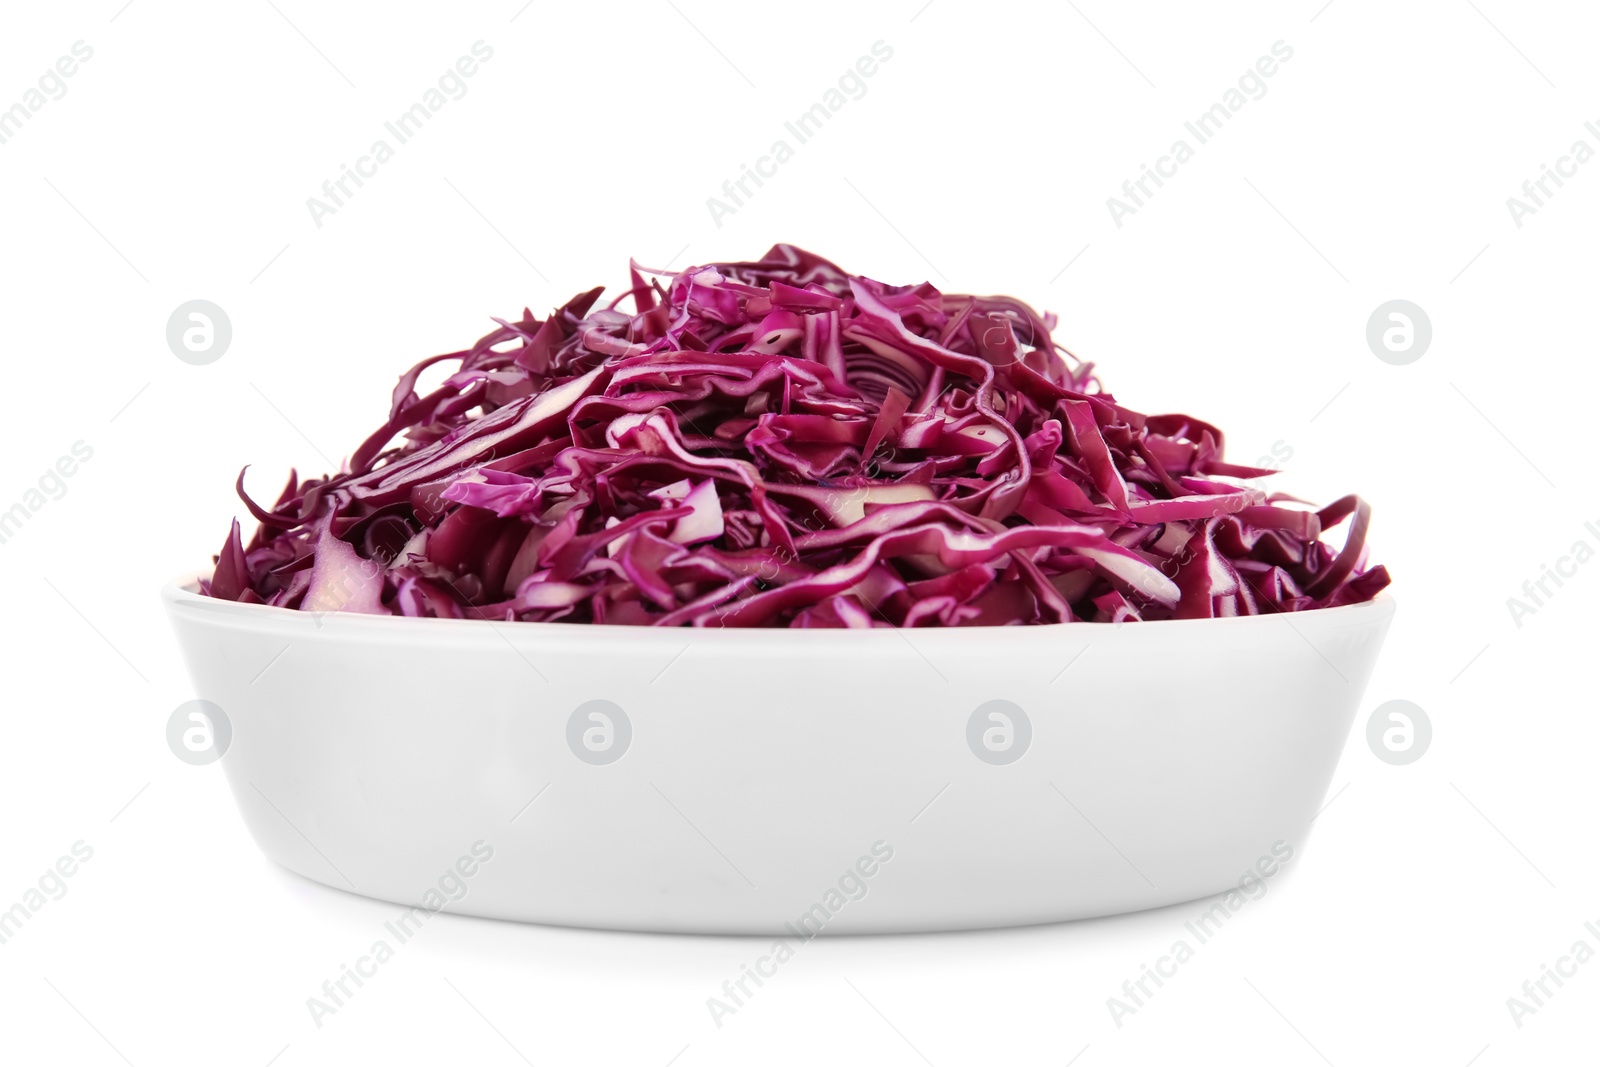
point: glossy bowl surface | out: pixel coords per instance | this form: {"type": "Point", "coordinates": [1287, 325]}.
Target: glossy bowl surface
{"type": "Point", "coordinates": [778, 781]}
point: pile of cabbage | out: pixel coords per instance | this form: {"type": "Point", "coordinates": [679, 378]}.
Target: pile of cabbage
{"type": "Point", "coordinates": [780, 443]}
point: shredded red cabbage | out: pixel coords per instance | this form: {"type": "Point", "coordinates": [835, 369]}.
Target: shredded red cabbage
{"type": "Point", "coordinates": [779, 443]}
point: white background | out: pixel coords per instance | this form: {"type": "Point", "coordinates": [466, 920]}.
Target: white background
{"type": "Point", "coordinates": [1377, 166]}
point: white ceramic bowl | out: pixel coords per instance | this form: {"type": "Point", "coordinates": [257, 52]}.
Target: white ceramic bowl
{"type": "Point", "coordinates": [778, 781]}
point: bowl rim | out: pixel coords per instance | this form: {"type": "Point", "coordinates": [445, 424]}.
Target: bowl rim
{"type": "Point", "coordinates": [182, 593]}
